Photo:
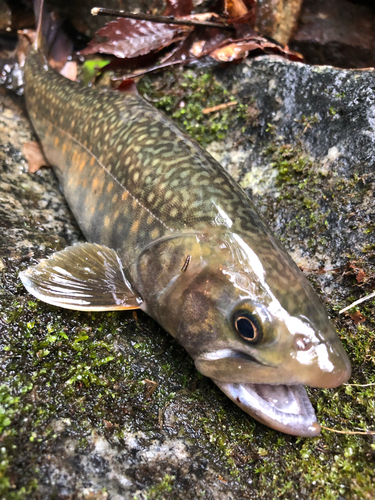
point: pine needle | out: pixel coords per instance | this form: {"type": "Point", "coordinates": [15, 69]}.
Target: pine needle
{"type": "Point", "coordinates": [364, 433]}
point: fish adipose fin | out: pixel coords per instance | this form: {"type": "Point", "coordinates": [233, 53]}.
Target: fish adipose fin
{"type": "Point", "coordinates": [86, 277]}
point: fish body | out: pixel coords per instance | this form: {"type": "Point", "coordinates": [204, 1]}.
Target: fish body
{"type": "Point", "coordinates": [172, 233]}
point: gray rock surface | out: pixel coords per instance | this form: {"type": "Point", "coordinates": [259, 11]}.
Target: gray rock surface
{"type": "Point", "coordinates": [108, 406]}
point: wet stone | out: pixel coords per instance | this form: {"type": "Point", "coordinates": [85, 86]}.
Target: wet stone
{"type": "Point", "coordinates": [108, 406]}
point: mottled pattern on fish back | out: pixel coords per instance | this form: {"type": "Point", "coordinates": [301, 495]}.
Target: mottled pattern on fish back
{"type": "Point", "coordinates": [124, 167]}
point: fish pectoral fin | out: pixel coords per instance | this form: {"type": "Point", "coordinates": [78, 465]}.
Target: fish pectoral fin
{"type": "Point", "coordinates": [85, 277]}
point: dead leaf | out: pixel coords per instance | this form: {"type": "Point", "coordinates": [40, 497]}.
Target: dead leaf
{"type": "Point", "coordinates": [235, 8]}
{"type": "Point", "coordinates": [107, 424]}
{"type": "Point", "coordinates": [358, 317]}
{"type": "Point", "coordinates": [128, 86]}
{"type": "Point", "coordinates": [239, 49]}
{"type": "Point", "coordinates": [361, 275]}
{"type": "Point", "coordinates": [136, 43]}
{"type": "Point", "coordinates": [234, 51]}
{"type": "Point", "coordinates": [25, 38]}
{"type": "Point", "coordinates": [128, 38]}
{"type": "Point", "coordinates": [34, 156]}
{"type": "Point", "coordinates": [352, 269]}
{"type": "Point", "coordinates": [178, 8]}
{"type": "Point", "coordinates": [70, 70]}
{"type": "Point", "coordinates": [197, 48]}
{"type": "Point", "coordinates": [151, 386]}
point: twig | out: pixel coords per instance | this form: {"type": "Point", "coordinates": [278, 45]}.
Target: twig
{"type": "Point", "coordinates": [359, 385]}
{"type": "Point", "coordinates": [102, 11]}
{"type": "Point", "coordinates": [141, 72]}
{"type": "Point", "coordinates": [359, 301]}
{"type": "Point", "coordinates": [205, 111]}
{"type": "Point", "coordinates": [367, 433]}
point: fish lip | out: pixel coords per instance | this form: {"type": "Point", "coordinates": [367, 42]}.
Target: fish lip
{"type": "Point", "coordinates": [265, 402]}
{"type": "Point", "coordinates": [226, 353]}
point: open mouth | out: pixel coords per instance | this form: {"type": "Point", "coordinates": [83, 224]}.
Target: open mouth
{"type": "Point", "coordinates": [285, 408]}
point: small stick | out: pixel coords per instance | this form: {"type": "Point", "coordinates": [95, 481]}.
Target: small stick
{"type": "Point", "coordinates": [102, 11]}
{"type": "Point", "coordinates": [141, 72]}
{"type": "Point", "coordinates": [359, 301]}
{"type": "Point", "coordinates": [368, 433]}
{"type": "Point", "coordinates": [360, 385]}
{"type": "Point", "coordinates": [205, 111]}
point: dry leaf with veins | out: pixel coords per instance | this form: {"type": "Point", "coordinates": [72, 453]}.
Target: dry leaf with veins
{"type": "Point", "coordinates": [128, 38]}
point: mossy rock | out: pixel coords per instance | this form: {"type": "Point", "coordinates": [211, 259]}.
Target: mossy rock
{"type": "Point", "coordinates": [108, 406]}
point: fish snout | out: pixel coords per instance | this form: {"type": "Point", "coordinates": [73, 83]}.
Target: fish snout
{"type": "Point", "coordinates": [339, 360]}
{"type": "Point", "coordinates": [324, 365]}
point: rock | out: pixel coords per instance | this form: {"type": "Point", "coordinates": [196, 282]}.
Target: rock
{"type": "Point", "coordinates": [312, 150]}
{"type": "Point", "coordinates": [338, 32]}
{"type": "Point", "coordinates": [108, 406]}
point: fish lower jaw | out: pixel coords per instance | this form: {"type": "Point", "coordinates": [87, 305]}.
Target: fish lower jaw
{"type": "Point", "coordinates": [285, 408]}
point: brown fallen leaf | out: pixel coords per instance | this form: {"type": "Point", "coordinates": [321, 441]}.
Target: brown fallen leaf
{"type": "Point", "coordinates": [235, 8]}
{"type": "Point", "coordinates": [136, 42]}
{"type": "Point", "coordinates": [69, 70]}
{"type": "Point", "coordinates": [358, 317]}
{"type": "Point", "coordinates": [234, 51]}
{"type": "Point", "coordinates": [128, 38]}
{"type": "Point", "coordinates": [25, 38]}
{"type": "Point", "coordinates": [34, 156]}
{"type": "Point", "coordinates": [178, 8]}
{"type": "Point", "coordinates": [361, 275]}
{"type": "Point", "coordinates": [240, 49]}
{"type": "Point", "coordinates": [107, 424]}
{"type": "Point", "coordinates": [151, 386]}
{"type": "Point", "coordinates": [352, 269]}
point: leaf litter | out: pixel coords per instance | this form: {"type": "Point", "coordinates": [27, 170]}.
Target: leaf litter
{"type": "Point", "coordinates": [143, 46]}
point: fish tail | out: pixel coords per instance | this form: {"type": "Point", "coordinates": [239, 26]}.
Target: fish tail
{"type": "Point", "coordinates": [50, 39]}
{"type": "Point", "coordinates": [39, 43]}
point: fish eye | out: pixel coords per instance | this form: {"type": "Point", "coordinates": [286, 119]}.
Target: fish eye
{"type": "Point", "coordinates": [247, 327]}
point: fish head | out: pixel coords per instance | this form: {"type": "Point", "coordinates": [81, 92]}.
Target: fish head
{"type": "Point", "coordinates": [252, 323]}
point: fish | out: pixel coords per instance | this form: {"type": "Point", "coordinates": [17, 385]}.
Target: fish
{"type": "Point", "coordinates": [171, 233]}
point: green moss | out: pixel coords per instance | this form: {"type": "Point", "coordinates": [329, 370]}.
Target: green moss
{"type": "Point", "coordinates": [185, 96]}
{"type": "Point", "coordinates": [299, 181]}
{"type": "Point", "coordinates": [291, 164]}
{"type": "Point", "coordinates": [305, 212]}
{"type": "Point", "coordinates": [368, 248]}
{"type": "Point", "coordinates": [310, 120]}
{"type": "Point", "coordinates": [111, 374]}
{"type": "Point", "coordinates": [158, 491]}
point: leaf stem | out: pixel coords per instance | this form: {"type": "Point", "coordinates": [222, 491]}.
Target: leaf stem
{"type": "Point", "coordinates": [102, 11]}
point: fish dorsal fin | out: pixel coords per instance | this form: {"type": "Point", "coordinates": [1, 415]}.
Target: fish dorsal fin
{"type": "Point", "coordinates": [85, 277]}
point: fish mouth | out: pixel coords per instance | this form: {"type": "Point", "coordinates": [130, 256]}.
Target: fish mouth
{"type": "Point", "coordinates": [285, 408]}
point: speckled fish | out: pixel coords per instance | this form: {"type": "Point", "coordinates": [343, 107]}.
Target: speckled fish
{"type": "Point", "coordinates": [171, 233]}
